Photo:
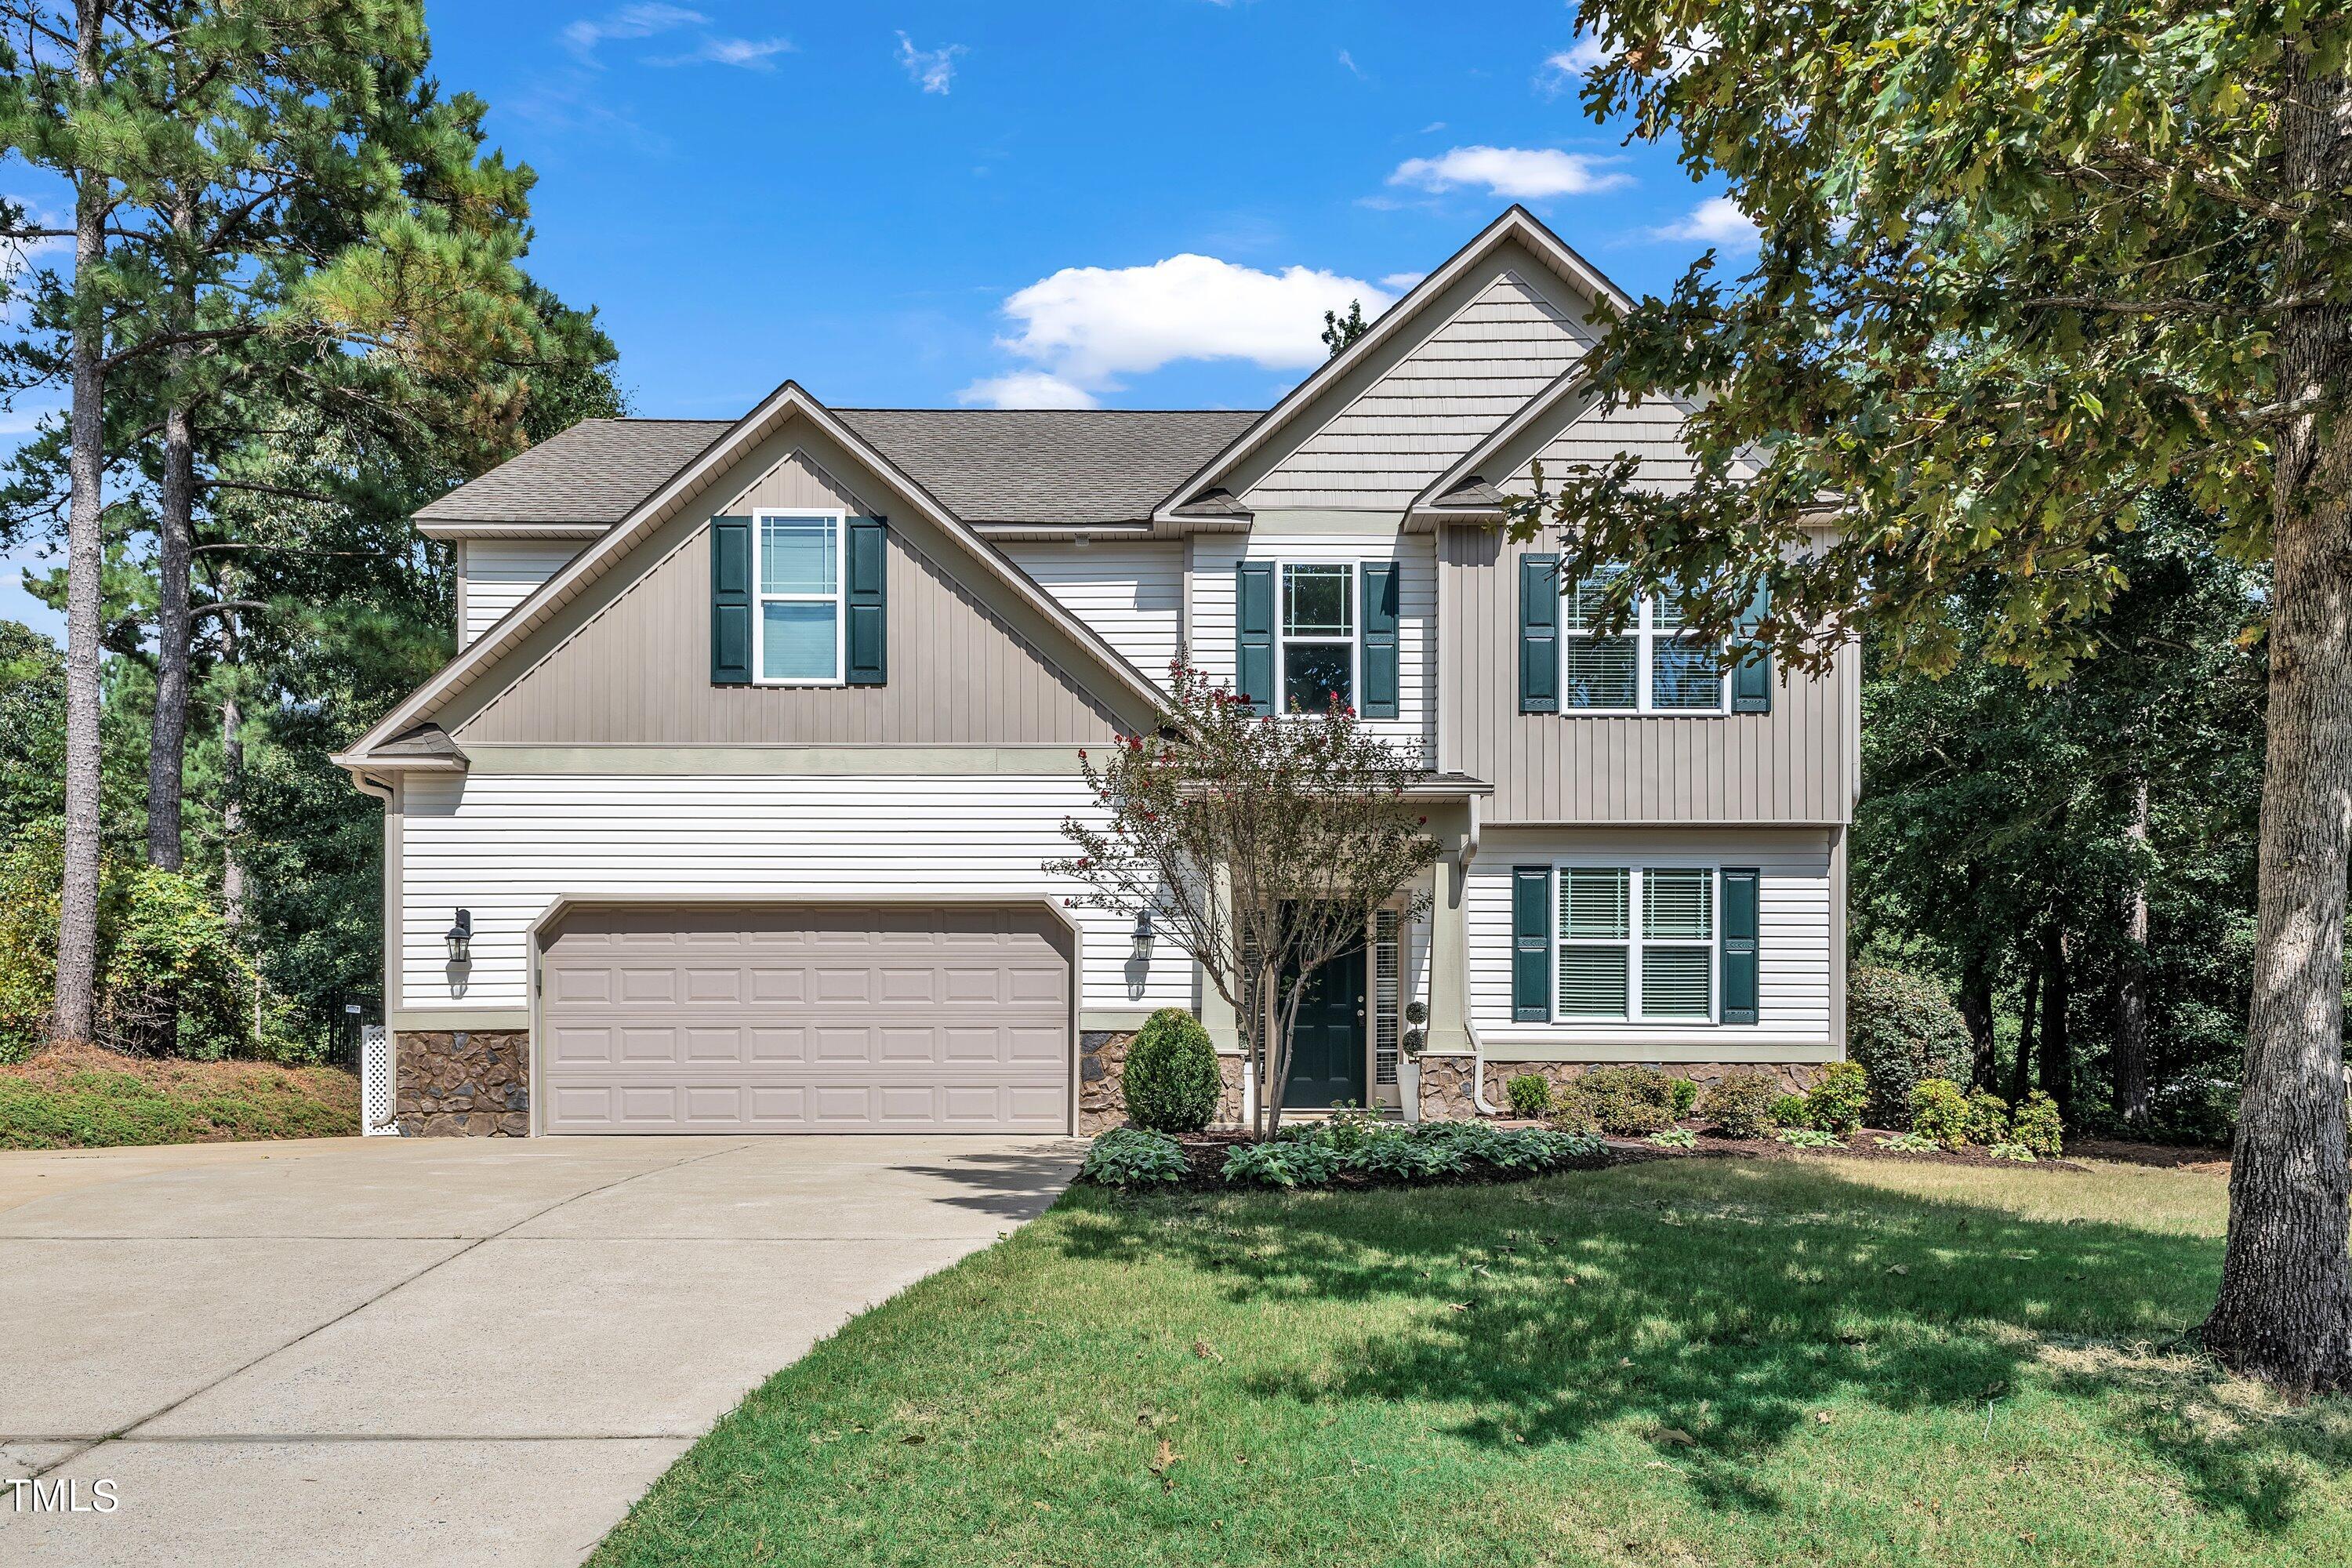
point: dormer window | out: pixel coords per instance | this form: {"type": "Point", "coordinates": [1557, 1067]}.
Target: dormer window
{"type": "Point", "coordinates": [799, 620]}
{"type": "Point", "coordinates": [1318, 637]}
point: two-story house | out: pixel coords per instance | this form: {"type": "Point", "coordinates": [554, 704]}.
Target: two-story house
{"type": "Point", "coordinates": [731, 811]}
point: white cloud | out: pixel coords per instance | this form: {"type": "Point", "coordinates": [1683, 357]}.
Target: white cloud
{"type": "Point", "coordinates": [1401, 281]}
{"type": "Point", "coordinates": [1349, 60]}
{"type": "Point", "coordinates": [1028, 389]}
{"type": "Point", "coordinates": [1088, 326]}
{"type": "Point", "coordinates": [1716, 221]}
{"type": "Point", "coordinates": [751, 54]}
{"type": "Point", "coordinates": [1566, 68]}
{"type": "Point", "coordinates": [933, 70]}
{"type": "Point", "coordinates": [642, 21]}
{"type": "Point", "coordinates": [1519, 173]}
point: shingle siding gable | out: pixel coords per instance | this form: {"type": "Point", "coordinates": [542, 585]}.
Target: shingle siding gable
{"type": "Point", "coordinates": [1434, 404]}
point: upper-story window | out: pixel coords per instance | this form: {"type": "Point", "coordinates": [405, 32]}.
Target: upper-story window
{"type": "Point", "coordinates": [1651, 666]}
{"type": "Point", "coordinates": [1317, 644]}
{"type": "Point", "coordinates": [799, 623]}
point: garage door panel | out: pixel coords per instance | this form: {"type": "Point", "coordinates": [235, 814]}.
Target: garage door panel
{"type": "Point", "coordinates": [808, 1019]}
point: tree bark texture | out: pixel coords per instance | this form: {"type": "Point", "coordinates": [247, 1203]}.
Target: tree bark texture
{"type": "Point", "coordinates": [232, 734]}
{"type": "Point", "coordinates": [2020, 1074]}
{"type": "Point", "coordinates": [167, 745]}
{"type": "Point", "coordinates": [72, 1009]}
{"type": "Point", "coordinates": [2284, 1312]}
{"type": "Point", "coordinates": [2056, 1049]}
{"type": "Point", "coordinates": [1976, 1007]}
{"type": "Point", "coordinates": [2131, 997]}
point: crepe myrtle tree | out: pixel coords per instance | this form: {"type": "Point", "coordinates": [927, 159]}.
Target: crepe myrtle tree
{"type": "Point", "coordinates": [2015, 267]}
{"type": "Point", "coordinates": [1260, 845]}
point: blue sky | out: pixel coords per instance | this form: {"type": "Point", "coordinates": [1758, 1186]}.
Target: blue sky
{"type": "Point", "coordinates": [1142, 204]}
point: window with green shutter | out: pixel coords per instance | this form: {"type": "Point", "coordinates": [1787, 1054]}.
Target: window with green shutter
{"type": "Point", "coordinates": [731, 601]}
{"type": "Point", "coordinates": [1644, 944]}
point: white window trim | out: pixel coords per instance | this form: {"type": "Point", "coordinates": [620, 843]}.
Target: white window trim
{"type": "Point", "coordinates": [1354, 639]}
{"type": "Point", "coordinates": [1645, 633]}
{"type": "Point", "coordinates": [1635, 942]}
{"type": "Point", "coordinates": [838, 598]}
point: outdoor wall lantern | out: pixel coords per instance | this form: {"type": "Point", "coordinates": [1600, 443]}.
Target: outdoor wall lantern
{"type": "Point", "coordinates": [461, 937]}
{"type": "Point", "coordinates": [1143, 936]}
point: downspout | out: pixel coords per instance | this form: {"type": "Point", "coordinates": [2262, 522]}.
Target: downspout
{"type": "Point", "coordinates": [1470, 1023]}
{"type": "Point", "coordinates": [385, 790]}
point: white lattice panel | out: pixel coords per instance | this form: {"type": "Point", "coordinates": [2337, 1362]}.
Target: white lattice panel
{"type": "Point", "coordinates": [375, 1082]}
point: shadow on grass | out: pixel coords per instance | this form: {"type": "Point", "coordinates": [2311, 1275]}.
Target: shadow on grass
{"type": "Point", "coordinates": [1723, 1306]}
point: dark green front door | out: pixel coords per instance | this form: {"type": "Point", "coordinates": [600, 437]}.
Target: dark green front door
{"type": "Point", "coordinates": [1327, 1053]}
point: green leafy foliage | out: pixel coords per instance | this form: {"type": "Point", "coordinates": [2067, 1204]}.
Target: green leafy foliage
{"type": "Point", "coordinates": [1791, 1110]}
{"type": "Point", "coordinates": [1836, 1103]}
{"type": "Point", "coordinates": [1674, 1138]}
{"type": "Point", "coordinates": [1909, 1143]}
{"type": "Point", "coordinates": [1171, 1080]}
{"type": "Point", "coordinates": [2017, 1151]}
{"type": "Point", "coordinates": [1939, 1112]}
{"type": "Point", "coordinates": [1134, 1157]}
{"type": "Point", "coordinates": [1901, 1028]}
{"type": "Point", "coordinates": [1311, 1156]}
{"type": "Point", "coordinates": [87, 1098]}
{"type": "Point", "coordinates": [2037, 1127]}
{"type": "Point", "coordinates": [1623, 1102]}
{"type": "Point", "coordinates": [1809, 1138]}
{"type": "Point", "coordinates": [1988, 1118]}
{"type": "Point", "coordinates": [1529, 1094]}
{"type": "Point", "coordinates": [1739, 1104]}
{"type": "Point", "coordinates": [1685, 1095]}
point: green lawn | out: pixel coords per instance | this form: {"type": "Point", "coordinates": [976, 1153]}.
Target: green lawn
{"type": "Point", "coordinates": [1687, 1362]}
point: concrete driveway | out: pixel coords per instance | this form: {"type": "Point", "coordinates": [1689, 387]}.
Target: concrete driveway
{"type": "Point", "coordinates": [433, 1351]}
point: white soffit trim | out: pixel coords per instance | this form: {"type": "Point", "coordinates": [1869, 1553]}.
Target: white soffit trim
{"type": "Point", "coordinates": [1516, 223]}
{"type": "Point", "coordinates": [787, 401]}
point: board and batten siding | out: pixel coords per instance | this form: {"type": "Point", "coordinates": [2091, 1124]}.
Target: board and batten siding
{"type": "Point", "coordinates": [1131, 591]}
{"type": "Point", "coordinates": [1441, 399]}
{"type": "Point", "coordinates": [1798, 895]}
{"type": "Point", "coordinates": [638, 672]}
{"type": "Point", "coordinates": [1215, 555]}
{"type": "Point", "coordinates": [1800, 762]}
{"type": "Point", "coordinates": [497, 574]}
{"type": "Point", "coordinates": [506, 846]}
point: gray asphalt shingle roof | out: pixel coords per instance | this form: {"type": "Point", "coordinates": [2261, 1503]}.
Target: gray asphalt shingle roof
{"type": "Point", "coordinates": [1049, 466]}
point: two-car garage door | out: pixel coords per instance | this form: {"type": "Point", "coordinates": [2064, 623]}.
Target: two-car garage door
{"type": "Point", "coordinates": [805, 1018]}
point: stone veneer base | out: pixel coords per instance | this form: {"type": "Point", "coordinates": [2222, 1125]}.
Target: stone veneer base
{"type": "Point", "coordinates": [1445, 1080]}
{"type": "Point", "coordinates": [462, 1083]}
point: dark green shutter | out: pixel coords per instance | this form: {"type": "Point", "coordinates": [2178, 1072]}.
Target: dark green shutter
{"type": "Point", "coordinates": [1739, 923]}
{"type": "Point", "coordinates": [1254, 635]}
{"type": "Point", "coordinates": [1379, 640]}
{"type": "Point", "coordinates": [1751, 671]}
{"type": "Point", "coordinates": [731, 601]}
{"type": "Point", "coordinates": [1539, 634]}
{"type": "Point", "coordinates": [1531, 943]}
{"type": "Point", "coordinates": [869, 612]}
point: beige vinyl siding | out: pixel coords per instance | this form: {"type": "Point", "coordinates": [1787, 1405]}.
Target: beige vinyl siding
{"type": "Point", "coordinates": [1214, 556]}
{"type": "Point", "coordinates": [638, 672]}
{"type": "Point", "coordinates": [497, 574]}
{"type": "Point", "coordinates": [506, 845]}
{"type": "Point", "coordinates": [1797, 893]}
{"type": "Point", "coordinates": [1132, 591]}
{"type": "Point", "coordinates": [1798, 763]}
{"type": "Point", "coordinates": [1468, 376]}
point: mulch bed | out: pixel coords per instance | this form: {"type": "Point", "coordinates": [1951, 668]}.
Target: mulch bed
{"type": "Point", "coordinates": [1206, 1153]}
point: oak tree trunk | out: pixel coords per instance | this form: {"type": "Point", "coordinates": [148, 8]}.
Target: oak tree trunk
{"type": "Point", "coordinates": [2285, 1307]}
{"type": "Point", "coordinates": [71, 1013]}
{"type": "Point", "coordinates": [2021, 1074]}
{"type": "Point", "coordinates": [1976, 1008]}
{"type": "Point", "coordinates": [2057, 1053]}
{"type": "Point", "coordinates": [2131, 997]}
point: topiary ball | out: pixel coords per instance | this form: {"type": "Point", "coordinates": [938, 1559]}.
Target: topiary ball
{"type": "Point", "coordinates": [1171, 1082]}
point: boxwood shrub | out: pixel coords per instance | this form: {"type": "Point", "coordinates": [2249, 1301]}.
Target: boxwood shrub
{"type": "Point", "coordinates": [1901, 1028]}
{"type": "Point", "coordinates": [1170, 1081]}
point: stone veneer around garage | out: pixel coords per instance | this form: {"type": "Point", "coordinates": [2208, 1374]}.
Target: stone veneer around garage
{"type": "Point", "coordinates": [1101, 1056]}
{"type": "Point", "coordinates": [463, 1083]}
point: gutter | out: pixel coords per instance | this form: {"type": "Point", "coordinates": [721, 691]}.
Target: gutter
{"type": "Point", "coordinates": [1470, 1023]}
